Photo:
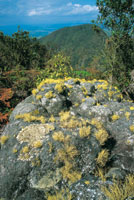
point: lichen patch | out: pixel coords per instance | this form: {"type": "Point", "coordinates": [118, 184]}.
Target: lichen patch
{"type": "Point", "coordinates": [34, 132]}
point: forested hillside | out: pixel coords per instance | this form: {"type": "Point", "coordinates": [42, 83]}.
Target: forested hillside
{"type": "Point", "coordinates": [82, 43]}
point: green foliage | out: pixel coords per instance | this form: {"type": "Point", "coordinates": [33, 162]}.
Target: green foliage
{"type": "Point", "coordinates": [21, 50]}
{"type": "Point", "coordinates": [118, 53]}
{"type": "Point", "coordinates": [21, 82]}
{"type": "Point", "coordinates": [117, 15]}
{"type": "Point", "coordinates": [81, 74]}
{"type": "Point", "coordinates": [81, 43]}
{"type": "Point", "coordinates": [21, 57]}
{"type": "Point", "coordinates": [15, 86]}
{"type": "Point", "coordinates": [57, 67]}
{"type": "Point", "coordinates": [117, 61]}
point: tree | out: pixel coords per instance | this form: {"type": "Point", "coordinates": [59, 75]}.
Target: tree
{"type": "Point", "coordinates": [118, 16]}
{"type": "Point", "coordinates": [21, 51]}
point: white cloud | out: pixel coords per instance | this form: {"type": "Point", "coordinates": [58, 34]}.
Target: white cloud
{"type": "Point", "coordinates": [77, 5]}
{"type": "Point", "coordinates": [69, 4]}
{"type": "Point", "coordinates": [82, 9]}
{"type": "Point", "coordinates": [39, 11]}
{"type": "Point", "coordinates": [32, 12]}
{"type": "Point", "coordinates": [44, 8]}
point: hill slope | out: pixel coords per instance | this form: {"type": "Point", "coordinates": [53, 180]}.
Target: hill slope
{"type": "Point", "coordinates": [81, 43]}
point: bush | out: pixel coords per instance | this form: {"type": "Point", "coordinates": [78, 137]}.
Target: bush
{"type": "Point", "coordinates": [5, 107]}
{"type": "Point", "coordinates": [57, 67]}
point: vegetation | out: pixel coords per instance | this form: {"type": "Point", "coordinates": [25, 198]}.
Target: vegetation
{"type": "Point", "coordinates": [21, 59]}
{"type": "Point", "coordinates": [118, 60]}
{"type": "Point", "coordinates": [69, 52]}
{"type": "Point", "coordinates": [24, 62]}
{"type": "Point", "coordinates": [5, 107]}
{"type": "Point", "coordinates": [120, 190]}
{"type": "Point", "coordinates": [81, 43]}
{"type": "Point", "coordinates": [58, 66]}
{"type": "Point", "coordinates": [21, 52]}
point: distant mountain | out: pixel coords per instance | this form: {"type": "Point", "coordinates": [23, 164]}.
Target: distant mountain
{"type": "Point", "coordinates": [34, 30]}
{"type": "Point", "coordinates": [80, 42]}
{"type": "Point", "coordinates": [37, 31]}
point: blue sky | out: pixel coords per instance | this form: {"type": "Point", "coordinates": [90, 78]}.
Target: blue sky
{"type": "Point", "coordinates": [35, 12]}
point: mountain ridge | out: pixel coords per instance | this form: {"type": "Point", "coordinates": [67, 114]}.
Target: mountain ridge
{"type": "Point", "coordinates": [81, 43]}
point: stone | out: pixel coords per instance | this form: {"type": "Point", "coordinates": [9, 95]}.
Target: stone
{"type": "Point", "coordinates": [67, 140]}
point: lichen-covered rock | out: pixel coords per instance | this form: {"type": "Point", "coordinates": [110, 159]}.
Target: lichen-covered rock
{"type": "Point", "coordinates": [66, 141]}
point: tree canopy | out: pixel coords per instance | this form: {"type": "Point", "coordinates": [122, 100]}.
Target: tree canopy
{"type": "Point", "coordinates": [118, 16]}
{"type": "Point", "coordinates": [21, 50]}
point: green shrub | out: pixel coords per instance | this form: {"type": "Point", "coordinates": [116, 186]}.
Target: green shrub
{"type": "Point", "coordinates": [57, 67]}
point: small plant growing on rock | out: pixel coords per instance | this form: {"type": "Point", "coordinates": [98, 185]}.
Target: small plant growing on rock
{"type": "Point", "coordinates": [119, 190]}
{"type": "Point", "coordinates": [3, 139]}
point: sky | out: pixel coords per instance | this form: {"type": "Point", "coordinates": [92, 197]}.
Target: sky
{"type": "Point", "coordinates": [35, 12]}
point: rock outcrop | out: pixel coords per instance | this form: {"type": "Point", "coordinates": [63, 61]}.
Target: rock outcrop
{"type": "Point", "coordinates": [71, 139]}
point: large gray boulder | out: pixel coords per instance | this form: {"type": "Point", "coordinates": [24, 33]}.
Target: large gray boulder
{"type": "Point", "coordinates": [66, 141]}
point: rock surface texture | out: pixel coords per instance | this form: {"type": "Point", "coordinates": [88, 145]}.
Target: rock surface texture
{"type": "Point", "coordinates": [71, 139]}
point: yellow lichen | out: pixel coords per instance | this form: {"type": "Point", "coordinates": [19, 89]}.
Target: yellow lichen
{"type": "Point", "coordinates": [115, 117]}
{"type": "Point", "coordinates": [76, 104]}
{"type": "Point", "coordinates": [102, 157]}
{"type": "Point", "coordinates": [100, 172]}
{"type": "Point", "coordinates": [35, 112]}
{"type": "Point", "coordinates": [15, 150]}
{"type": "Point", "coordinates": [60, 87]}
{"type": "Point", "coordinates": [3, 139]}
{"type": "Point", "coordinates": [34, 132]}
{"type": "Point", "coordinates": [131, 108]}
{"type": "Point", "coordinates": [42, 89]}
{"type": "Point", "coordinates": [119, 96]}
{"type": "Point", "coordinates": [132, 128]}
{"type": "Point", "coordinates": [36, 162]}
{"type": "Point", "coordinates": [52, 119]}
{"type": "Point", "coordinates": [37, 144]}
{"type": "Point", "coordinates": [25, 116]}
{"type": "Point", "coordinates": [101, 135]}
{"type": "Point", "coordinates": [83, 100]}
{"type": "Point", "coordinates": [69, 86]}
{"type": "Point", "coordinates": [50, 147]}
{"type": "Point", "coordinates": [120, 190]}
{"type": "Point", "coordinates": [25, 149]}
{"type": "Point", "coordinates": [58, 136]}
{"type": "Point", "coordinates": [87, 182]}
{"type": "Point", "coordinates": [70, 175]}
{"type": "Point", "coordinates": [38, 97]}
{"type": "Point", "coordinates": [70, 124]}
{"type": "Point", "coordinates": [64, 194]}
{"type": "Point", "coordinates": [102, 86]}
{"type": "Point", "coordinates": [127, 115]}
{"type": "Point", "coordinates": [70, 150]}
{"type": "Point", "coordinates": [105, 105]}
{"type": "Point", "coordinates": [42, 119]}
{"type": "Point", "coordinates": [49, 95]}
{"type": "Point", "coordinates": [85, 92]}
{"type": "Point", "coordinates": [28, 117]}
{"type": "Point", "coordinates": [64, 116]}
{"type": "Point", "coordinates": [66, 155]}
{"type": "Point", "coordinates": [84, 131]}
{"type": "Point", "coordinates": [96, 123]}
{"type": "Point", "coordinates": [24, 156]}
{"type": "Point", "coordinates": [34, 91]}
{"type": "Point", "coordinates": [122, 109]}
{"type": "Point", "coordinates": [110, 93]}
